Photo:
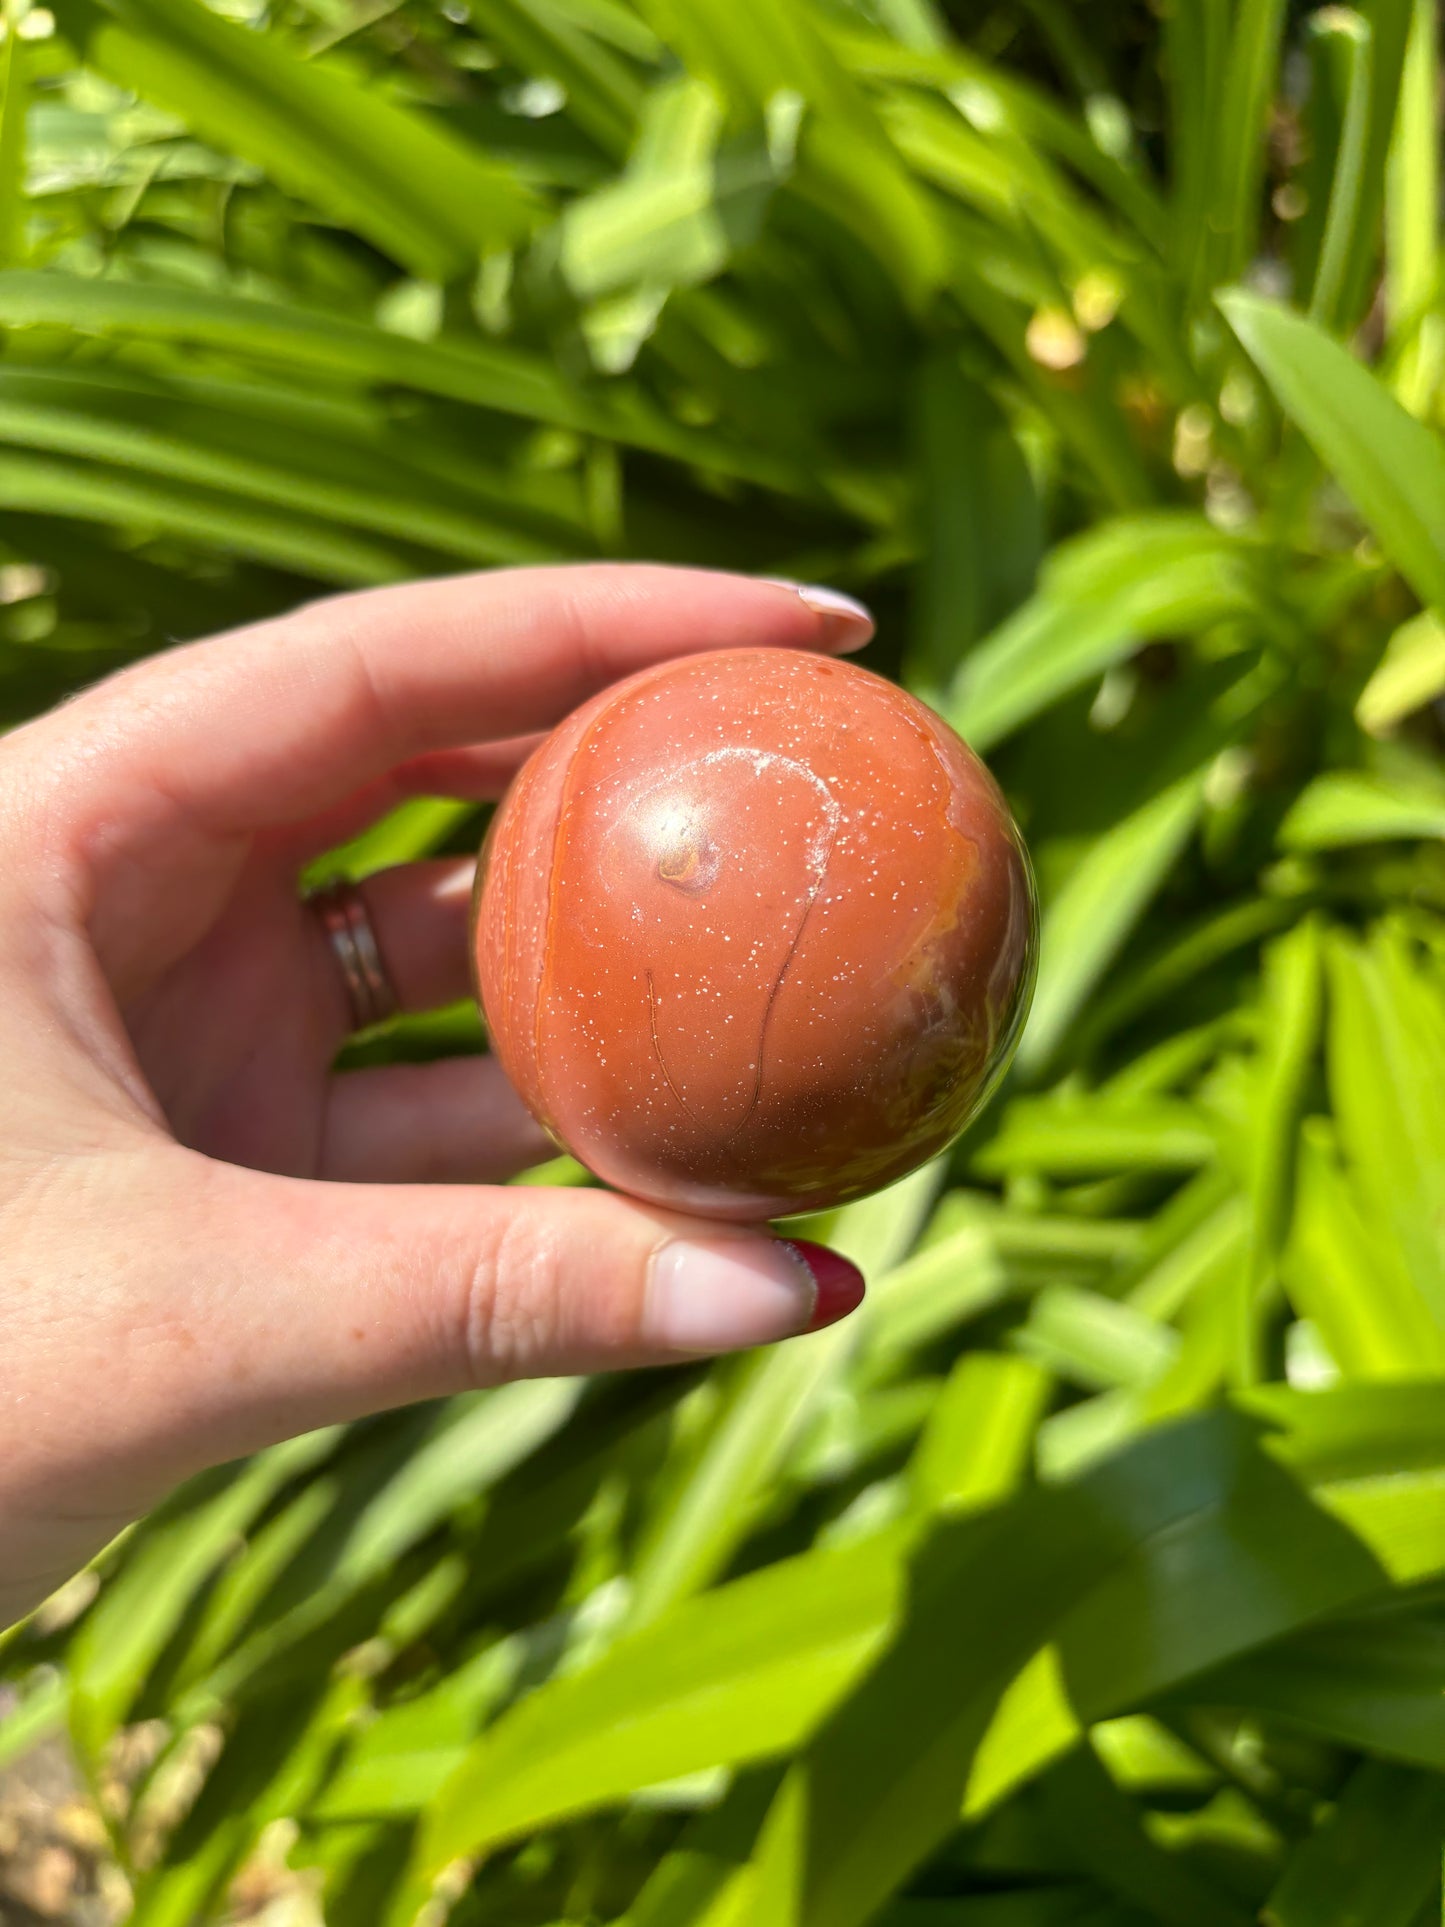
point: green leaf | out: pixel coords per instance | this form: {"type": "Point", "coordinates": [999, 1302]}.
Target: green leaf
{"type": "Point", "coordinates": [1357, 1455]}
{"type": "Point", "coordinates": [1054, 1905]}
{"type": "Point", "coordinates": [274, 1755]}
{"type": "Point", "coordinates": [433, 202]}
{"type": "Point", "coordinates": [1188, 954]}
{"type": "Point", "coordinates": [685, 201]}
{"type": "Point", "coordinates": [1246, 1556]}
{"type": "Point", "coordinates": [1192, 58]}
{"type": "Point", "coordinates": [1374, 43]}
{"type": "Point", "coordinates": [1070, 1139]}
{"type": "Point", "coordinates": [484, 373]}
{"type": "Point", "coordinates": [1291, 1020]}
{"type": "Point", "coordinates": [1103, 1831]}
{"type": "Point", "coordinates": [699, 1872]}
{"type": "Point", "coordinates": [997, 100]}
{"type": "Point", "coordinates": [1240, 134]}
{"type": "Point", "coordinates": [138, 1610]}
{"type": "Point", "coordinates": [400, 1762]}
{"type": "Point", "coordinates": [978, 1442]}
{"type": "Point", "coordinates": [354, 480]}
{"type": "Point", "coordinates": [949, 1282]}
{"type": "Point", "coordinates": [508, 380]}
{"type": "Point", "coordinates": [1410, 674]}
{"type": "Point", "coordinates": [483, 1439]}
{"type": "Point", "coordinates": [1387, 1079]}
{"type": "Point", "coordinates": [1349, 210]}
{"type": "Point", "coordinates": [845, 164]}
{"type": "Point", "coordinates": [1088, 922]}
{"type": "Point", "coordinates": [1344, 1272]}
{"type": "Point", "coordinates": [472, 1443]}
{"type": "Point", "coordinates": [414, 829]}
{"type": "Point", "coordinates": [1370, 1682]}
{"type": "Point", "coordinates": [981, 516]}
{"type": "Point", "coordinates": [1100, 596]}
{"type": "Point", "coordinates": [1411, 241]}
{"type": "Point", "coordinates": [1345, 807]}
{"type": "Point", "coordinates": [764, 1400]}
{"type": "Point", "coordinates": [1353, 1433]}
{"type": "Point", "coordinates": [570, 46]}
{"type": "Point", "coordinates": [1375, 1858]}
{"type": "Point", "coordinates": [1093, 1341]}
{"type": "Point", "coordinates": [737, 1675]}
{"type": "Point", "coordinates": [1391, 466]}
{"type": "Point", "coordinates": [38, 1716]}
{"type": "Point", "coordinates": [87, 491]}
{"type": "Point", "coordinates": [14, 100]}
{"type": "Point", "coordinates": [766, 1396]}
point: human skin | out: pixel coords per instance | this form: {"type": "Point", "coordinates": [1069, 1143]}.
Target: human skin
{"type": "Point", "coordinates": [210, 1241]}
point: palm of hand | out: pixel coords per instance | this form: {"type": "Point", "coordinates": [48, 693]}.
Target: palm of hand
{"type": "Point", "coordinates": [236, 1036]}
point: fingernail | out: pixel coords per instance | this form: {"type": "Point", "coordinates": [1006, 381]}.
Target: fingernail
{"type": "Point", "coordinates": [837, 1282]}
{"type": "Point", "coordinates": [731, 1293]}
{"type": "Point", "coordinates": [847, 623]}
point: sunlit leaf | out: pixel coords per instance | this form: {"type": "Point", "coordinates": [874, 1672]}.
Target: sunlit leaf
{"type": "Point", "coordinates": [435, 204]}
{"type": "Point", "coordinates": [1342, 808]}
{"type": "Point", "coordinates": [1390, 466]}
{"type": "Point", "coordinates": [1099, 598]}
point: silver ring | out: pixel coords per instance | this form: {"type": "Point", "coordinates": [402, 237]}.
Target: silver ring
{"type": "Point", "coordinates": [341, 911]}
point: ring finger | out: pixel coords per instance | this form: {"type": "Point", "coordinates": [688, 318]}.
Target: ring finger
{"type": "Point", "coordinates": [418, 915]}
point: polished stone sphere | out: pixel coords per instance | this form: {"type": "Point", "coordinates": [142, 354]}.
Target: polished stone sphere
{"type": "Point", "coordinates": [754, 933]}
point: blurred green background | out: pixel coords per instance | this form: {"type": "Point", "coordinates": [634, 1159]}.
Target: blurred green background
{"type": "Point", "coordinates": [1096, 1573]}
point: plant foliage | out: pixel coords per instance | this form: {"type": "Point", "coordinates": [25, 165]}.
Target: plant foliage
{"type": "Point", "coordinates": [1096, 1573]}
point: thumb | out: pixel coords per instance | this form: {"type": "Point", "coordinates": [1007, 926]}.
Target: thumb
{"type": "Point", "coordinates": [326, 1301]}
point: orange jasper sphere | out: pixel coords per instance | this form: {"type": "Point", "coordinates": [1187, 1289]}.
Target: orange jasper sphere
{"type": "Point", "coordinates": [754, 933]}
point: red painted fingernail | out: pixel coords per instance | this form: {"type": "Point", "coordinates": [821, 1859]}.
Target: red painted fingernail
{"type": "Point", "coordinates": [838, 1283]}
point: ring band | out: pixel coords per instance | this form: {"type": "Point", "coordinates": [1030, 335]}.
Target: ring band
{"type": "Point", "coordinates": [341, 911]}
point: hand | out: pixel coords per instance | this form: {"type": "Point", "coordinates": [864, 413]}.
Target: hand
{"type": "Point", "coordinates": [209, 1240]}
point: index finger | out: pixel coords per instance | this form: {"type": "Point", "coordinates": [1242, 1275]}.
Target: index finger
{"type": "Point", "coordinates": [266, 725]}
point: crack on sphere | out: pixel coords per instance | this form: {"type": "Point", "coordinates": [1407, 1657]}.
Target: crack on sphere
{"type": "Point", "coordinates": [657, 1048]}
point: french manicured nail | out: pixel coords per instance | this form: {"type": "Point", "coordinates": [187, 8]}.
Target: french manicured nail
{"type": "Point", "coordinates": [847, 623]}
{"type": "Point", "coordinates": [731, 1293]}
